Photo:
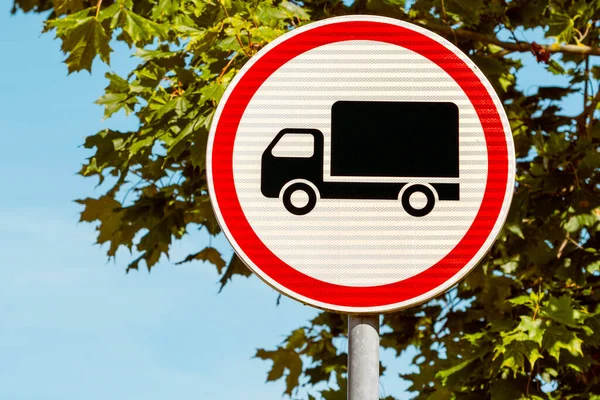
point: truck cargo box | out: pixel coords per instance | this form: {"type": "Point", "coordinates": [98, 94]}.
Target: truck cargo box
{"type": "Point", "coordinates": [394, 139]}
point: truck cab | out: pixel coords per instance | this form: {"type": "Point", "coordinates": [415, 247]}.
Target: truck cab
{"type": "Point", "coordinates": [293, 155]}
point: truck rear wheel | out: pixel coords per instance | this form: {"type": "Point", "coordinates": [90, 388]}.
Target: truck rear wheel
{"type": "Point", "coordinates": [418, 212]}
{"type": "Point", "coordinates": [299, 187]}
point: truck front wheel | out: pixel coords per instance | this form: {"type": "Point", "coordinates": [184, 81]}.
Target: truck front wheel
{"type": "Point", "coordinates": [299, 187]}
{"type": "Point", "coordinates": [418, 212]}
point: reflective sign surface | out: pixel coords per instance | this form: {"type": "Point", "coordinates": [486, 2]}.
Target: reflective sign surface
{"type": "Point", "coordinates": [360, 164]}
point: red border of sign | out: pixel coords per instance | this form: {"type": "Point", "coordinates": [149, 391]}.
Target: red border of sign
{"type": "Point", "coordinates": [348, 296]}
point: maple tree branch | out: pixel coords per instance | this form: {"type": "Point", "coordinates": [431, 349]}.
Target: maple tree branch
{"type": "Point", "coordinates": [132, 188]}
{"type": "Point", "coordinates": [139, 175]}
{"type": "Point", "coordinates": [529, 380]}
{"type": "Point", "coordinates": [98, 8]}
{"type": "Point", "coordinates": [520, 46]}
{"type": "Point", "coordinates": [562, 248]}
{"type": "Point", "coordinates": [226, 67]}
{"type": "Point", "coordinates": [586, 83]}
{"type": "Point", "coordinates": [575, 243]}
{"type": "Point", "coordinates": [502, 53]}
{"type": "Point", "coordinates": [584, 34]}
{"type": "Point", "coordinates": [445, 17]}
{"type": "Point", "coordinates": [237, 36]}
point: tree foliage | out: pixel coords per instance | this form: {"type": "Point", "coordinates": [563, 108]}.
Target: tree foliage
{"type": "Point", "coordinates": [524, 324]}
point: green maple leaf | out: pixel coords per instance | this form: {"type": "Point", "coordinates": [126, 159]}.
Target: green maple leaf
{"type": "Point", "coordinates": [65, 6]}
{"type": "Point", "coordinates": [445, 374]}
{"type": "Point", "coordinates": [562, 310]}
{"type": "Point", "coordinates": [558, 337]}
{"type": "Point", "coordinates": [138, 28]}
{"type": "Point", "coordinates": [83, 38]}
{"type": "Point", "coordinates": [514, 354]}
{"type": "Point", "coordinates": [283, 360]}
{"type": "Point", "coordinates": [294, 10]}
{"type": "Point", "coordinates": [528, 329]}
{"type": "Point", "coordinates": [561, 27]}
{"type": "Point", "coordinates": [112, 103]}
{"type": "Point", "coordinates": [470, 10]}
{"type": "Point", "coordinates": [165, 7]}
{"type": "Point", "coordinates": [235, 267]}
{"type": "Point", "coordinates": [209, 254]}
{"type": "Point", "coordinates": [112, 228]}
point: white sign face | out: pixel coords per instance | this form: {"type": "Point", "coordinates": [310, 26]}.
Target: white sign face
{"type": "Point", "coordinates": [361, 164]}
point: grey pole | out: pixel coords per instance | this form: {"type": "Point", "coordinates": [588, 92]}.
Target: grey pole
{"type": "Point", "coordinates": [363, 357]}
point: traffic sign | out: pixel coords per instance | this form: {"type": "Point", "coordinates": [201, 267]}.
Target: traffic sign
{"type": "Point", "coordinates": [360, 164]}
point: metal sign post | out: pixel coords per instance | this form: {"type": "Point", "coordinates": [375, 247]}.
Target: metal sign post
{"type": "Point", "coordinates": [360, 165]}
{"type": "Point", "coordinates": [363, 357]}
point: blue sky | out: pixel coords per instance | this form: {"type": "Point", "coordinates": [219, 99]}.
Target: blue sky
{"type": "Point", "coordinates": [76, 327]}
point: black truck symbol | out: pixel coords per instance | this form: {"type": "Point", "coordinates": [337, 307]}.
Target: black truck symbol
{"type": "Point", "coordinates": [370, 139]}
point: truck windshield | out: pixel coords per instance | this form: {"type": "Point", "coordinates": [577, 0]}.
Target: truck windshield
{"type": "Point", "coordinates": [295, 145]}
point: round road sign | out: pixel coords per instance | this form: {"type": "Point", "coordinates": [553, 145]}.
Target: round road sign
{"type": "Point", "coordinates": [360, 164]}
